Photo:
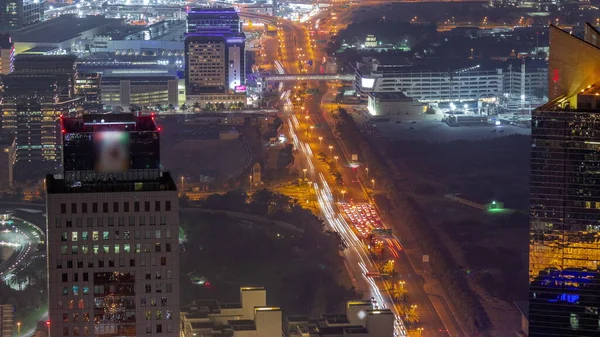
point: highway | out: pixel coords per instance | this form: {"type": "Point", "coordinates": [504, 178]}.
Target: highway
{"type": "Point", "coordinates": [20, 235]}
{"type": "Point", "coordinates": [300, 122]}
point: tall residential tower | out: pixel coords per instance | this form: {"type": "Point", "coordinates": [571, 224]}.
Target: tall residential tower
{"type": "Point", "coordinates": [112, 224]}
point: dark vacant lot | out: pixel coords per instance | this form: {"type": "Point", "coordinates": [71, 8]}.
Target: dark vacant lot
{"type": "Point", "coordinates": [489, 248]}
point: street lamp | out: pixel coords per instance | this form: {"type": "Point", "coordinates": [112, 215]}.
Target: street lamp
{"type": "Point", "coordinates": [182, 184]}
{"type": "Point", "coordinates": [373, 183]}
{"type": "Point", "coordinates": [401, 283]}
{"type": "Point", "coordinates": [336, 158]}
{"type": "Point", "coordinates": [367, 169]}
{"type": "Point", "coordinates": [330, 149]}
{"type": "Point", "coordinates": [343, 192]}
{"type": "Point", "coordinates": [304, 170]}
{"type": "Point", "coordinates": [250, 179]}
{"type": "Point", "coordinates": [420, 330]}
{"type": "Point", "coordinates": [320, 140]}
{"type": "Point", "coordinates": [18, 329]}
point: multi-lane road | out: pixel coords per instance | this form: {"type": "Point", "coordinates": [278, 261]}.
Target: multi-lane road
{"type": "Point", "coordinates": [296, 40]}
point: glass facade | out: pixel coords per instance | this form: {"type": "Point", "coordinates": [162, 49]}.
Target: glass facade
{"type": "Point", "coordinates": [564, 296]}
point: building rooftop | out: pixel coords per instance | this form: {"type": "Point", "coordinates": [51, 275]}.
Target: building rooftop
{"type": "Point", "coordinates": [5, 41]}
{"type": "Point", "coordinates": [113, 122]}
{"type": "Point", "coordinates": [61, 28]}
{"type": "Point", "coordinates": [390, 96]}
{"type": "Point", "coordinates": [21, 83]}
{"type": "Point", "coordinates": [39, 50]}
{"type": "Point", "coordinates": [56, 185]}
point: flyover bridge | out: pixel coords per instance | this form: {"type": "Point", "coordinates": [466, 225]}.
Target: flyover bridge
{"type": "Point", "coordinates": [309, 77]}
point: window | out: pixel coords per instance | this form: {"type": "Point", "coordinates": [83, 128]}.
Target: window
{"type": "Point", "coordinates": [148, 275]}
{"type": "Point", "coordinates": [148, 235]}
{"type": "Point", "coordinates": [65, 331]}
{"type": "Point", "coordinates": [157, 247]}
{"type": "Point", "coordinates": [138, 249]}
{"type": "Point", "coordinates": [65, 277]}
{"type": "Point", "coordinates": [152, 220]}
{"type": "Point", "coordinates": [148, 328]}
{"type": "Point", "coordinates": [57, 222]}
{"type": "Point", "coordinates": [58, 263]}
{"type": "Point", "coordinates": [75, 290]}
{"type": "Point", "coordinates": [84, 250]}
{"type": "Point", "coordinates": [148, 289]}
{"type": "Point", "coordinates": [111, 262]}
{"type": "Point", "coordinates": [158, 328]}
{"type": "Point", "coordinates": [79, 222]}
{"type": "Point", "coordinates": [79, 265]}
{"type": "Point", "coordinates": [163, 261]}
{"type": "Point", "coordinates": [69, 264]}
{"type": "Point", "coordinates": [168, 233]}
{"type": "Point", "coordinates": [69, 224]}
{"type": "Point", "coordinates": [169, 315]}
{"type": "Point", "coordinates": [111, 222]}
{"type": "Point", "coordinates": [121, 221]}
{"type": "Point", "coordinates": [157, 234]}
{"type": "Point", "coordinates": [126, 235]}
{"type": "Point", "coordinates": [127, 248]}
{"type": "Point", "coordinates": [95, 236]}
{"type": "Point", "coordinates": [84, 207]}
{"type": "Point", "coordinates": [105, 249]}
{"type": "Point", "coordinates": [105, 235]}
{"type": "Point", "coordinates": [115, 207]}
{"type": "Point", "coordinates": [63, 208]}
{"type": "Point", "coordinates": [136, 234]}
{"type": "Point", "coordinates": [169, 287]}
{"type": "Point", "coordinates": [65, 317]}
{"type": "Point", "coordinates": [75, 317]}
{"type": "Point", "coordinates": [142, 301]}
{"type": "Point", "coordinates": [84, 236]}
{"type": "Point", "coordinates": [86, 329]}
{"type": "Point", "coordinates": [132, 262]}
{"type": "Point", "coordinates": [74, 236]}
{"type": "Point", "coordinates": [126, 206]}
{"type": "Point", "coordinates": [70, 304]}
{"type": "Point", "coordinates": [142, 220]}
{"type": "Point", "coordinates": [136, 206]}
{"type": "Point", "coordinates": [169, 274]}
{"type": "Point", "coordinates": [85, 279]}
{"type": "Point", "coordinates": [76, 275]}
{"type": "Point", "coordinates": [76, 331]}
{"type": "Point", "coordinates": [105, 207]}
{"type": "Point", "coordinates": [168, 247]}
{"type": "Point", "coordinates": [117, 248]}
{"type": "Point", "coordinates": [100, 222]}
{"type": "Point", "coordinates": [158, 288]}
{"type": "Point", "coordinates": [157, 206]}
{"type": "Point", "coordinates": [74, 250]}
{"type": "Point", "coordinates": [73, 208]}
{"type": "Point", "coordinates": [153, 302]}
{"type": "Point", "coordinates": [90, 222]}
{"type": "Point", "coordinates": [94, 207]}
{"type": "Point", "coordinates": [117, 234]}
{"type": "Point", "coordinates": [147, 206]}
{"type": "Point", "coordinates": [157, 275]}
{"type": "Point", "coordinates": [168, 205]}
{"type": "Point", "coordinates": [64, 250]}
{"type": "Point", "coordinates": [96, 249]}
{"type": "Point", "coordinates": [64, 236]}
{"type": "Point", "coordinates": [101, 263]}
{"type": "Point", "coordinates": [163, 301]}
{"type": "Point", "coordinates": [148, 314]}
{"type": "Point", "coordinates": [158, 314]}
{"type": "Point", "coordinates": [132, 220]}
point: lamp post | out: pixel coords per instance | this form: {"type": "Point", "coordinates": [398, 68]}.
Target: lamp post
{"type": "Point", "coordinates": [336, 158]}
{"type": "Point", "coordinates": [401, 283]}
{"type": "Point", "coordinates": [182, 187]}
{"type": "Point", "coordinates": [304, 170]}
{"type": "Point", "coordinates": [312, 127]}
{"type": "Point", "coordinates": [320, 140]}
{"type": "Point", "coordinates": [330, 149]}
{"type": "Point", "coordinates": [420, 330]}
{"type": "Point", "coordinates": [250, 179]}
{"type": "Point", "coordinates": [343, 193]}
{"type": "Point", "coordinates": [18, 329]}
{"type": "Point", "coordinates": [373, 183]}
{"type": "Point", "coordinates": [48, 325]}
{"type": "Point", "coordinates": [367, 169]}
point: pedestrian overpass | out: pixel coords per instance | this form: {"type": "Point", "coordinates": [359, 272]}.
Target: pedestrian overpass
{"type": "Point", "coordinates": [309, 77]}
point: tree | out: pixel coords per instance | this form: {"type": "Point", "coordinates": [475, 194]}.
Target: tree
{"type": "Point", "coordinates": [196, 106]}
{"type": "Point", "coordinates": [184, 107]}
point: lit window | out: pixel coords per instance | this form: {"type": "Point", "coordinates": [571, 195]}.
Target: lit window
{"type": "Point", "coordinates": [84, 236]}
{"type": "Point", "coordinates": [86, 291]}
{"type": "Point", "coordinates": [148, 314]}
{"type": "Point", "coordinates": [95, 236]}
{"type": "Point", "coordinates": [117, 249]}
{"type": "Point", "coordinates": [96, 249]}
{"type": "Point", "coordinates": [105, 235]}
{"type": "Point", "coordinates": [74, 236]}
{"type": "Point", "coordinates": [75, 290]}
{"type": "Point", "coordinates": [105, 249]}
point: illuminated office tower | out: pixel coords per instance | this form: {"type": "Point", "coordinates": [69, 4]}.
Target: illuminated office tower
{"type": "Point", "coordinates": [112, 224]}
{"type": "Point", "coordinates": [215, 57]}
{"type": "Point", "coordinates": [564, 253]}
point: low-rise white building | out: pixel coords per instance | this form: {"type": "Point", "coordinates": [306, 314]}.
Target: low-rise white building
{"type": "Point", "coordinates": [250, 318]}
{"type": "Point", "coordinates": [397, 107]}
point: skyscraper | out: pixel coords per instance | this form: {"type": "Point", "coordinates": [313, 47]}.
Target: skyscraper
{"type": "Point", "coordinates": [7, 54]}
{"type": "Point", "coordinates": [112, 225]}
{"type": "Point", "coordinates": [16, 14]}
{"type": "Point", "coordinates": [215, 57]}
{"type": "Point", "coordinates": [564, 275]}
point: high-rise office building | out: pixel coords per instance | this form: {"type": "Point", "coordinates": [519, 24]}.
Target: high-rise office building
{"type": "Point", "coordinates": [16, 14]}
{"type": "Point", "coordinates": [112, 231]}
{"type": "Point", "coordinates": [215, 57]}
{"type": "Point", "coordinates": [30, 110]}
{"type": "Point", "coordinates": [564, 255]}
{"type": "Point", "coordinates": [62, 66]}
{"type": "Point", "coordinates": [7, 54]}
